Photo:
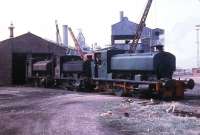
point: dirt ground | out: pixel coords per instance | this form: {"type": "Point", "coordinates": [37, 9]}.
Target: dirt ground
{"type": "Point", "coordinates": [39, 111]}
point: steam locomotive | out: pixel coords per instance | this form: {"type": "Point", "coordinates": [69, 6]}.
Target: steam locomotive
{"type": "Point", "coordinates": [114, 70]}
{"type": "Point", "coordinates": [66, 71]}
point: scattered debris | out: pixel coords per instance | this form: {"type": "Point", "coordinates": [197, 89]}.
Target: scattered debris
{"type": "Point", "coordinates": [126, 114]}
{"type": "Point", "coordinates": [152, 100]}
{"type": "Point", "coordinates": [107, 114]}
{"type": "Point", "coordinates": [127, 100]}
{"type": "Point", "coordinates": [143, 117]}
{"type": "Point", "coordinates": [171, 108]}
{"type": "Point", "coordinates": [125, 106]}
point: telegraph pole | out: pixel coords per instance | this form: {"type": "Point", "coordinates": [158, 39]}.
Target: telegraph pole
{"type": "Point", "coordinates": [197, 34]}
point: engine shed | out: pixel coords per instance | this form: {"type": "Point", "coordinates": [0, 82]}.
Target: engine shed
{"type": "Point", "coordinates": [15, 52]}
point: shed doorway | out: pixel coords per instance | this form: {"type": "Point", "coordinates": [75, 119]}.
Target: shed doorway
{"type": "Point", "coordinates": [18, 69]}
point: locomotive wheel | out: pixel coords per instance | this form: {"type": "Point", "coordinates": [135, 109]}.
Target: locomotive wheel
{"type": "Point", "coordinates": [190, 84]}
{"type": "Point", "coordinates": [76, 84]}
{"type": "Point", "coordinates": [35, 82]}
{"type": "Point", "coordinates": [119, 92]}
{"type": "Point", "coordinates": [89, 86]}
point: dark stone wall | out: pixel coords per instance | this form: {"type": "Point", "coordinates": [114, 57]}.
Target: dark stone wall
{"type": "Point", "coordinates": [5, 65]}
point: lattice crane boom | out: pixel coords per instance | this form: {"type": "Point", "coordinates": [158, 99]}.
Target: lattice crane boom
{"type": "Point", "coordinates": [76, 43]}
{"type": "Point", "coordinates": [140, 26]}
{"type": "Point", "coordinates": [58, 37]}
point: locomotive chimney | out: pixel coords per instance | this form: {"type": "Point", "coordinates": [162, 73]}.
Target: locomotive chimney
{"type": "Point", "coordinates": [11, 28]}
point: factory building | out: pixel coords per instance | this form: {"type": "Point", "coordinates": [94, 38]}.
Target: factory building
{"type": "Point", "coordinates": [124, 31]}
{"type": "Point", "coordinates": [15, 52]}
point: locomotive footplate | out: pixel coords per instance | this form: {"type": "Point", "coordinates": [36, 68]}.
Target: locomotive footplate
{"type": "Point", "coordinates": [165, 88]}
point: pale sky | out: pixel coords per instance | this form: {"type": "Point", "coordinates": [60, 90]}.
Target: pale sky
{"type": "Point", "coordinates": [95, 17]}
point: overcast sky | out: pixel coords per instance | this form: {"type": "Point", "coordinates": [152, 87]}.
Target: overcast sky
{"type": "Point", "coordinates": [95, 17]}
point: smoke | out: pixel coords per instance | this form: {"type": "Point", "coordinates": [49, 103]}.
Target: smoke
{"type": "Point", "coordinates": [182, 29]}
{"type": "Point", "coordinates": [181, 40]}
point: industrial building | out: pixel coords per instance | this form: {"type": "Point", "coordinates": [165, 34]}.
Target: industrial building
{"type": "Point", "coordinates": [124, 31]}
{"type": "Point", "coordinates": [14, 54]}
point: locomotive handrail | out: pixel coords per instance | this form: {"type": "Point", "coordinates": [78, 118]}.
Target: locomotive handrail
{"type": "Point", "coordinates": [127, 81]}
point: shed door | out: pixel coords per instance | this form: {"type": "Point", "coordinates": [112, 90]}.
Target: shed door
{"type": "Point", "coordinates": [19, 69]}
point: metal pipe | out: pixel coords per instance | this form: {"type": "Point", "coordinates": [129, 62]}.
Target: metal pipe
{"type": "Point", "coordinates": [197, 38]}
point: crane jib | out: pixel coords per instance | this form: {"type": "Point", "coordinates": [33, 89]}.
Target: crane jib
{"type": "Point", "coordinates": [140, 27]}
{"type": "Point", "coordinates": [76, 42]}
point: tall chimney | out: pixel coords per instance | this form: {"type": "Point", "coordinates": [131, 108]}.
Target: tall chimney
{"type": "Point", "coordinates": [11, 28]}
{"type": "Point", "coordinates": [121, 15]}
{"type": "Point", "coordinates": [65, 35]}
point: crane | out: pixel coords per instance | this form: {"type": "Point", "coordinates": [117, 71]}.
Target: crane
{"type": "Point", "coordinates": [58, 37]}
{"type": "Point", "coordinates": [76, 43]}
{"type": "Point", "coordinates": [140, 27]}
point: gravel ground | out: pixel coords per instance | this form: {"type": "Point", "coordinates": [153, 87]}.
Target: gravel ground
{"type": "Point", "coordinates": [38, 111]}
{"type": "Point", "coordinates": [150, 117]}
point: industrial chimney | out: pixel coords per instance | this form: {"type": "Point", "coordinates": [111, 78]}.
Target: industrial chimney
{"type": "Point", "coordinates": [65, 35]}
{"type": "Point", "coordinates": [121, 15]}
{"type": "Point", "coordinates": [11, 28]}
